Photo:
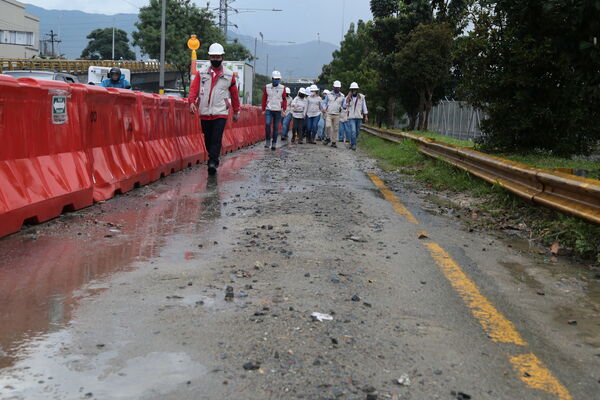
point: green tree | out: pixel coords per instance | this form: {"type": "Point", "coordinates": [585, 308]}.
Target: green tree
{"type": "Point", "coordinates": [259, 84]}
{"type": "Point", "coordinates": [424, 63]}
{"type": "Point", "coordinates": [183, 19]}
{"type": "Point", "coordinates": [100, 45]}
{"type": "Point", "coordinates": [532, 67]}
{"type": "Point", "coordinates": [353, 62]}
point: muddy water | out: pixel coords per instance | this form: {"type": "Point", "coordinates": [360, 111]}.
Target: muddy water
{"type": "Point", "coordinates": [579, 285]}
{"type": "Point", "coordinates": [46, 270]}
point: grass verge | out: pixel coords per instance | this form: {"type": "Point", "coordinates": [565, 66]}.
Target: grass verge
{"type": "Point", "coordinates": [495, 207]}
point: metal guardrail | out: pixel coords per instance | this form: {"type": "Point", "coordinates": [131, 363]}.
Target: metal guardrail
{"type": "Point", "coordinates": [76, 67]}
{"type": "Point", "coordinates": [570, 194]}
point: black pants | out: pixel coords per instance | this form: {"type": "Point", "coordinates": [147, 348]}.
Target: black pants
{"type": "Point", "coordinates": [213, 137]}
{"type": "Point", "coordinates": [298, 128]}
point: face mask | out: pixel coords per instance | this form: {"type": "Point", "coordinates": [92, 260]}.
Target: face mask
{"type": "Point", "coordinates": [354, 94]}
{"type": "Point", "coordinates": [301, 96]}
{"type": "Point", "coordinates": [216, 63]}
{"type": "Point", "coordinates": [336, 91]}
{"type": "Point", "coordinates": [276, 82]}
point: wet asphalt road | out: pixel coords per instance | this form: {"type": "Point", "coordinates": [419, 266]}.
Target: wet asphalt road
{"type": "Point", "coordinates": [127, 299]}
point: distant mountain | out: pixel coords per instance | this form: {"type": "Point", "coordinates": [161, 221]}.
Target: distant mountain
{"type": "Point", "coordinates": [303, 60]}
{"type": "Point", "coordinates": [73, 27]}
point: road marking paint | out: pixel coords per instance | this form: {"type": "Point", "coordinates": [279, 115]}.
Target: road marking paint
{"type": "Point", "coordinates": [535, 375]}
{"type": "Point", "coordinates": [498, 328]}
{"type": "Point", "coordinates": [389, 196]}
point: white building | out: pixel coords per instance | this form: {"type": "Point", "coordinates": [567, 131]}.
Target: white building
{"type": "Point", "coordinates": [19, 31]}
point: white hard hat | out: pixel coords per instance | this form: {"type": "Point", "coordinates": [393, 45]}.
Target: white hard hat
{"type": "Point", "coordinates": [326, 91]}
{"type": "Point", "coordinates": [287, 90]}
{"type": "Point", "coordinates": [337, 84]}
{"type": "Point", "coordinates": [216, 49]}
{"type": "Point", "coordinates": [314, 88]}
{"type": "Point", "coordinates": [302, 91]}
{"type": "Point", "coordinates": [276, 75]}
{"type": "Point", "coordinates": [354, 85]}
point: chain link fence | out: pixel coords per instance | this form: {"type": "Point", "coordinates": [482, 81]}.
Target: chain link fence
{"type": "Point", "coordinates": [455, 119]}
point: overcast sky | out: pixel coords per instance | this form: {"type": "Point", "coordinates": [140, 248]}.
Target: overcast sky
{"type": "Point", "coordinates": [300, 21]}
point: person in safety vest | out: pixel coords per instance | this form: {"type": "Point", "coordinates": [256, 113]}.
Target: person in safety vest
{"type": "Point", "coordinates": [115, 80]}
{"type": "Point", "coordinates": [212, 94]}
{"type": "Point", "coordinates": [357, 111]}
{"type": "Point", "coordinates": [313, 113]}
{"type": "Point", "coordinates": [287, 119]}
{"type": "Point", "coordinates": [274, 104]}
{"type": "Point", "coordinates": [333, 105]}
{"type": "Point", "coordinates": [299, 112]}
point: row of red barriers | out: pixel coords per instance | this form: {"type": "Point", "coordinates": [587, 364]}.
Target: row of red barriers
{"type": "Point", "coordinates": [65, 146]}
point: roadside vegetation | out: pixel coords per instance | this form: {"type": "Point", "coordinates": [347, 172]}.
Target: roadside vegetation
{"type": "Point", "coordinates": [491, 207]}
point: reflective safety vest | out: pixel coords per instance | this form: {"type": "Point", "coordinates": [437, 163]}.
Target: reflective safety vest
{"type": "Point", "coordinates": [334, 103]}
{"type": "Point", "coordinates": [275, 97]}
{"type": "Point", "coordinates": [219, 101]}
{"type": "Point", "coordinates": [355, 107]}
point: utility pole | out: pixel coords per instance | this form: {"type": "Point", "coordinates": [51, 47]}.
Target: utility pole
{"type": "Point", "coordinates": [224, 16]}
{"type": "Point", "coordinates": [52, 35]}
{"type": "Point", "coordinates": [254, 66]}
{"type": "Point", "coordinates": [161, 78]}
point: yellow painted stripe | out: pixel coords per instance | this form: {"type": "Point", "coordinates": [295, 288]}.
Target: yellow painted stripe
{"type": "Point", "coordinates": [535, 375]}
{"type": "Point", "coordinates": [498, 328]}
{"type": "Point", "coordinates": [389, 196]}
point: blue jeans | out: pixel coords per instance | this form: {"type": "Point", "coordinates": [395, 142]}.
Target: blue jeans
{"type": "Point", "coordinates": [351, 130]}
{"type": "Point", "coordinates": [321, 128]}
{"type": "Point", "coordinates": [272, 119]}
{"type": "Point", "coordinates": [286, 125]}
{"type": "Point", "coordinates": [313, 125]}
{"type": "Point", "coordinates": [357, 122]}
{"type": "Point", "coordinates": [344, 131]}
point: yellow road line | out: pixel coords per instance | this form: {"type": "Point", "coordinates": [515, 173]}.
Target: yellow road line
{"type": "Point", "coordinates": [498, 328]}
{"type": "Point", "coordinates": [535, 375]}
{"type": "Point", "coordinates": [389, 196]}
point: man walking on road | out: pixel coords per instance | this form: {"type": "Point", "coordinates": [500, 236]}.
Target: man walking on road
{"type": "Point", "coordinates": [313, 113]}
{"type": "Point", "coordinates": [299, 111]}
{"type": "Point", "coordinates": [357, 111]}
{"type": "Point", "coordinates": [274, 104]}
{"type": "Point", "coordinates": [333, 105]}
{"type": "Point", "coordinates": [212, 94]}
{"type": "Point", "coordinates": [287, 119]}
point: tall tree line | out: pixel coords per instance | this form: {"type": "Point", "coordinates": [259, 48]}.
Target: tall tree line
{"type": "Point", "coordinates": [531, 66]}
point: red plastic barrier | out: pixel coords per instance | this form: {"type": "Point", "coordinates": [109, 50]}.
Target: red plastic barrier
{"type": "Point", "coordinates": [161, 145]}
{"type": "Point", "coordinates": [190, 139]}
{"type": "Point", "coordinates": [114, 136]}
{"type": "Point", "coordinates": [44, 168]}
{"type": "Point", "coordinates": [108, 141]}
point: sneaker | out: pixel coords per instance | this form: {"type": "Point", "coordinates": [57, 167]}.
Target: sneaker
{"type": "Point", "coordinates": [267, 145]}
{"type": "Point", "coordinates": [212, 168]}
{"type": "Point", "coordinates": [333, 144]}
{"type": "Point", "coordinates": [273, 148]}
{"type": "Point", "coordinates": [353, 148]}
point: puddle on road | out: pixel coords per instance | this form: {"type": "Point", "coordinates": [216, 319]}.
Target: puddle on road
{"type": "Point", "coordinates": [46, 270]}
{"type": "Point", "coordinates": [572, 279]}
{"type": "Point", "coordinates": [52, 370]}
{"type": "Point", "coordinates": [520, 273]}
